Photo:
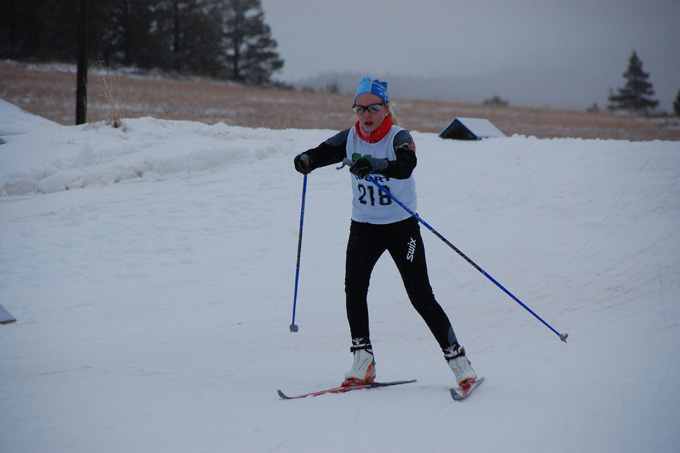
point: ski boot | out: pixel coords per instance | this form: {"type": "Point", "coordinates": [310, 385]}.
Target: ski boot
{"type": "Point", "coordinates": [460, 365]}
{"type": "Point", "coordinates": [363, 369]}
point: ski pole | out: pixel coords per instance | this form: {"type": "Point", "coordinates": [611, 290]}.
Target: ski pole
{"type": "Point", "coordinates": [563, 336]}
{"type": "Point", "coordinates": [293, 326]}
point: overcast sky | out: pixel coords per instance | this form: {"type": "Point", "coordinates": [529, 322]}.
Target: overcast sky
{"type": "Point", "coordinates": [532, 52]}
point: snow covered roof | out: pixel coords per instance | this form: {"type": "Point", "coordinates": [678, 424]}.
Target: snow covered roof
{"type": "Point", "coordinates": [471, 129]}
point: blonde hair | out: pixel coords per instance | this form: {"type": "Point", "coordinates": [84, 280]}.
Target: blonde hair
{"type": "Point", "coordinates": [391, 114]}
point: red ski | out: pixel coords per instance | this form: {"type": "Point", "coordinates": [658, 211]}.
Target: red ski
{"type": "Point", "coordinates": [342, 389]}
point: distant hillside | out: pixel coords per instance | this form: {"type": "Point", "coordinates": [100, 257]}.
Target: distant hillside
{"type": "Point", "coordinates": [48, 91]}
{"type": "Point", "coordinates": [516, 86]}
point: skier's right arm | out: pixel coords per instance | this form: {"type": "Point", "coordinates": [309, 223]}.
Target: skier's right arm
{"type": "Point", "coordinates": [332, 151]}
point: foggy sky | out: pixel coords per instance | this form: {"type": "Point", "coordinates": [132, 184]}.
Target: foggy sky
{"type": "Point", "coordinates": [531, 52]}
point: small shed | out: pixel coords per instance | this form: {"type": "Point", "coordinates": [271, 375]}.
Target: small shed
{"type": "Point", "coordinates": [471, 129]}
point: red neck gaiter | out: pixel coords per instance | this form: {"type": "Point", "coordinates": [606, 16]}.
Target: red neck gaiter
{"type": "Point", "coordinates": [377, 134]}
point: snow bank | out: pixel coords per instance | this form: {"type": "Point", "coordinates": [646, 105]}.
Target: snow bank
{"type": "Point", "coordinates": [50, 159]}
{"type": "Point", "coordinates": [151, 271]}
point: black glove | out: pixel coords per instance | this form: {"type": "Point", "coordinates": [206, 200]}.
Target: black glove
{"type": "Point", "coordinates": [361, 168]}
{"type": "Point", "coordinates": [366, 165]}
{"type": "Point", "coordinates": [303, 163]}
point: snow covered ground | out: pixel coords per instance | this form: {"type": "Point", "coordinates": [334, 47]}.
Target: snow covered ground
{"type": "Point", "coordinates": [151, 271]}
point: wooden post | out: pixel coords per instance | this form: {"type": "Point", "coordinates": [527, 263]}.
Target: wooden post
{"type": "Point", "coordinates": [81, 83]}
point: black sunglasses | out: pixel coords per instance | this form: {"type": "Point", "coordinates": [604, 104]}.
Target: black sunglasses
{"type": "Point", "coordinates": [371, 108]}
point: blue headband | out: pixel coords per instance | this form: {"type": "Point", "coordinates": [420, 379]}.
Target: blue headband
{"type": "Point", "coordinates": [368, 86]}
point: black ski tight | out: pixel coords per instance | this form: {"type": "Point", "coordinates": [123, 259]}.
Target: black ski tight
{"type": "Point", "coordinates": [367, 242]}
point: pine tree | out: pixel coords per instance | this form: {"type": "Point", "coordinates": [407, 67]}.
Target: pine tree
{"type": "Point", "coordinates": [191, 35]}
{"type": "Point", "coordinates": [250, 51]}
{"type": "Point", "coordinates": [676, 105]}
{"type": "Point", "coordinates": [638, 93]}
{"type": "Point", "coordinates": [217, 38]}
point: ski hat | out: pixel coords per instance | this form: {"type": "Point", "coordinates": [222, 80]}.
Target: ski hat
{"type": "Point", "coordinates": [368, 86]}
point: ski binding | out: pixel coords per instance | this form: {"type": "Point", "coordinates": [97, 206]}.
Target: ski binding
{"type": "Point", "coordinates": [459, 394]}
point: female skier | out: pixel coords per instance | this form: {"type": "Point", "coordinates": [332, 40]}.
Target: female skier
{"type": "Point", "coordinates": [377, 146]}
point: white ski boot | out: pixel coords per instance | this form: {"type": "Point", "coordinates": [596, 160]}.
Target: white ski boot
{"type": "Point", "coordinates": [460, 365]}
{"type": "Point", "coordinates": [363, 369]}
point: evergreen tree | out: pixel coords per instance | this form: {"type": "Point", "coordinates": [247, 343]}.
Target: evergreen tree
{"type": "Point", "coordinates": [123, 33]}
{"type": "Point", "coordinates": [188, 36]}
{"type": "Point", "coordinates": [638, 93]}
{"type": "Point", "coordinates": [38, 29]}
{"type": "Point", "coordinates": [216, 38]}
{"type": "Point", "coordinates": [676, 105]}
{"type": "Point", "coordinates": [250, 51]}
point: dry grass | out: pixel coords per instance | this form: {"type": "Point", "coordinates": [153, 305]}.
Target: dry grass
{"type": "Point", "coordinates": [51, 94]}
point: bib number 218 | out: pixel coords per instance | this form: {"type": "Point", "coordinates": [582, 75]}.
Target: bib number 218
{"type": "Point", "coordinates": [367, 195]}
